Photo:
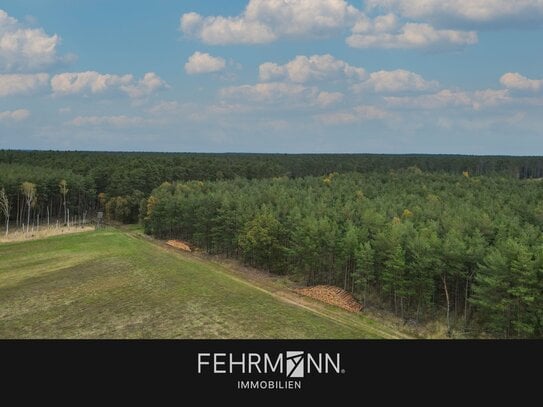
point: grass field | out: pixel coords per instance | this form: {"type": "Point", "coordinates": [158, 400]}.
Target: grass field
{"type": "Point", "coordinates": [112, 284]}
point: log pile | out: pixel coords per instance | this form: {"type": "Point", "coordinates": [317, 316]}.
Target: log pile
{"type": "Point", "coordinates": [179, 245]}
{"type": "Point", "coordinates": [333, 296]}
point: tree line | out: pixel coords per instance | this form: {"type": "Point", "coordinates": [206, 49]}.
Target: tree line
{"type": "Point", "coordinates": [465, 249]}
{"type": "Point", "coordinates": [32, 195]}
{"type": "Point", "coordinates": [118, 182]}
{"type": "Point", "coordinates": [119, 173]}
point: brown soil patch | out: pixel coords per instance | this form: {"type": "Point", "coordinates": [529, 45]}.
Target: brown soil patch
{"type": "Point", "coordinates": [333, 296]}
{"type": "Point", "coordinates": [178, 244]}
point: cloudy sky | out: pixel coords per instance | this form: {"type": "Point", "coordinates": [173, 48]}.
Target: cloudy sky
{"type": "Point", "coordinates": [378, 76]}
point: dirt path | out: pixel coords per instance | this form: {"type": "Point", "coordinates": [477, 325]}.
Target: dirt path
{"type": "Point", "coordinates": [268, 284]}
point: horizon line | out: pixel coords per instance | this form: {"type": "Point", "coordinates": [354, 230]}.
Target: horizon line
{"type": "Point", "coordinates": [411, 154]}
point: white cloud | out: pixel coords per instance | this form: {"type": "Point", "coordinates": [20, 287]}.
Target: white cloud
{"type": "Point", "coordinates": [325, 99]}
{"type": "Point", "coordinates": [165, 107]}
{"type": "Point", "coordinates": [315, 68]}
{"type": "Point", "coordinates": [95, 83]}
{"type": "Point", "coordinates": [303, 69]}
{"type": "Point", "coordinates": [451, 98]}
{"type": "Point", "coordinates": [269, 92]}
{"type": "Point", "coordinates": [90, 81]}
{"type": "Point", "coordinates": [355, 115]}
{"type": "Point", "coordinates": [220, 30]}
{"type": "Point", "coordinates": [489, 98]}
{"type": "Point", "coordinates": [516, 81]}
{"type": "Point", "coordinates": [113, 121]}
{"type": "Point", "coordinates": [14, 84]}
{"type": "Point", "coordinates": [265, 21]}
{"type": "Point", "coordinates": [167, 111]}
{"type": "Point", "coordinates": [7, 22]}
{"type": "Point", "coordinates": [380, 24]}
{"type": "Point", "coordinates": [14, 115]}
{"type": "Point", "coordinates": [441, 99]}
{"type": "Point", "coordinates": [396, 81]}
{"type": "Point", "coordinates": [200, 63]}
{"type": "Point", "coordinates": [280, 94]}
{"type": "Point", "coordinates": [410, 35]}
{"type": "Point", "coordinates": [228, 108]}
{"type": "Point", "coordinates": [474, 12]}
{"type": "Point", "coordinates": [336, 118]}
{"type": "Point", "coordinates": [24, 49]}
{"type": "Point", "coordinates": [150, 84]}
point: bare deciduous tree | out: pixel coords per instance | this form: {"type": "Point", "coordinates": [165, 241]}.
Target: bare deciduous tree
{"type": "Point", "coordinates": [29, 191]}
{"type": "Point", "coordinates": [5, 207]}
{"type": "Point", "coordinates": [63, 186]}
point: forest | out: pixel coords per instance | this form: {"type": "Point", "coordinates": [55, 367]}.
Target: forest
{"type": "Point", "coordinates": [450, 238]}
{"type": "Point", "coordinates": [118, 182]}
{"type": "Point", "coordinates": [424, 246]}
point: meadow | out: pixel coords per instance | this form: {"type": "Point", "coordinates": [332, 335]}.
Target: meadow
{"type": "Point", "coordinates": [118, 284]}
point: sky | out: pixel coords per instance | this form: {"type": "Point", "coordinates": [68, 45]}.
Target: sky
{"type": "Point", "coordinates": [287, 76]}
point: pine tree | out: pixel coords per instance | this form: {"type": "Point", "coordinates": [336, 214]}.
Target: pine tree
{"type": "Point", "coordinates": [364, 274]}
{"type": "Point", "coordinates": [393, 276]}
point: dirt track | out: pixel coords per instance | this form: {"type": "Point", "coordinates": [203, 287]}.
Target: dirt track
{"type": "Point", "coordinates": [271, 285]}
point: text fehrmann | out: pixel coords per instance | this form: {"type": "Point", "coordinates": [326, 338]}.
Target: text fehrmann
{"type": "Point", "coordinates": [292, 364]}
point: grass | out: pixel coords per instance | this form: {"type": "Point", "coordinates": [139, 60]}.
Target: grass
{"type": "Point", "coordinates": [19, 235]}
{"type": "Point", "coordinates": [110, 284]}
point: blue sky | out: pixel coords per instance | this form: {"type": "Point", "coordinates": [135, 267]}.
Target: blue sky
{"type": "Point", "coordinates": [376, 76]}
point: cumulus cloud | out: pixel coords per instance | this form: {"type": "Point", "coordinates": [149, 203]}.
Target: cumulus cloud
{"type": "Point", "coordinates": [113, 121]}
{"type": "Point", "coordinates": [90, 81]}
{"type": "Point", "coordinates": [516, 81]}
{"type": "Point", "coordinates": [280, 94]}
{"type": "Point", "coordinates": [269, 92]}
{"type": "Point", "coordinates": [409, 25]}
{"type": "Point", "coordinates": [93, 82]}
{"type": "Point", "coordinates": [447, 98]}
{"type": "Point", "coordinates": [25, 49]}
{"type": "Point", "coordinates": [297, 84]}
{"type": "Point", "coordinates": [200, 63]}
{"type": "Point", "coordinates": [303, 69]}
{"type": "Point", "coordinates": [325, 99]}
{"type": "Point", "coordinates": [265, 21]}
{"type": "Point", "coordinates": [14, 115]}
{"type": "Point", "coordinates": [459, 12]}
{"type": "Point", "coordinates": [395, 82]}
{"type": "Point", "coordinates": [149, 84]}
{"type": "Point", "coordinates": [314, 68]}
{"type": "Point", "coordinates": [225, 30]}
{"type": "Point", "coordinates": [410, 35]}
{"type": "Point", "coordinates": [355, 115]}
{"type": "Point", "coordinates": [15, 84]}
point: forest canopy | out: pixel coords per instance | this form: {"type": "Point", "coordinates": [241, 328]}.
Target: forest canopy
{"type": "Point", "coordinates": [420, 245]}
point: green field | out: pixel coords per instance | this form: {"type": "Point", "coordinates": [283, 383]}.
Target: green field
{"type": "Point", "coordinates": [115, 284]}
